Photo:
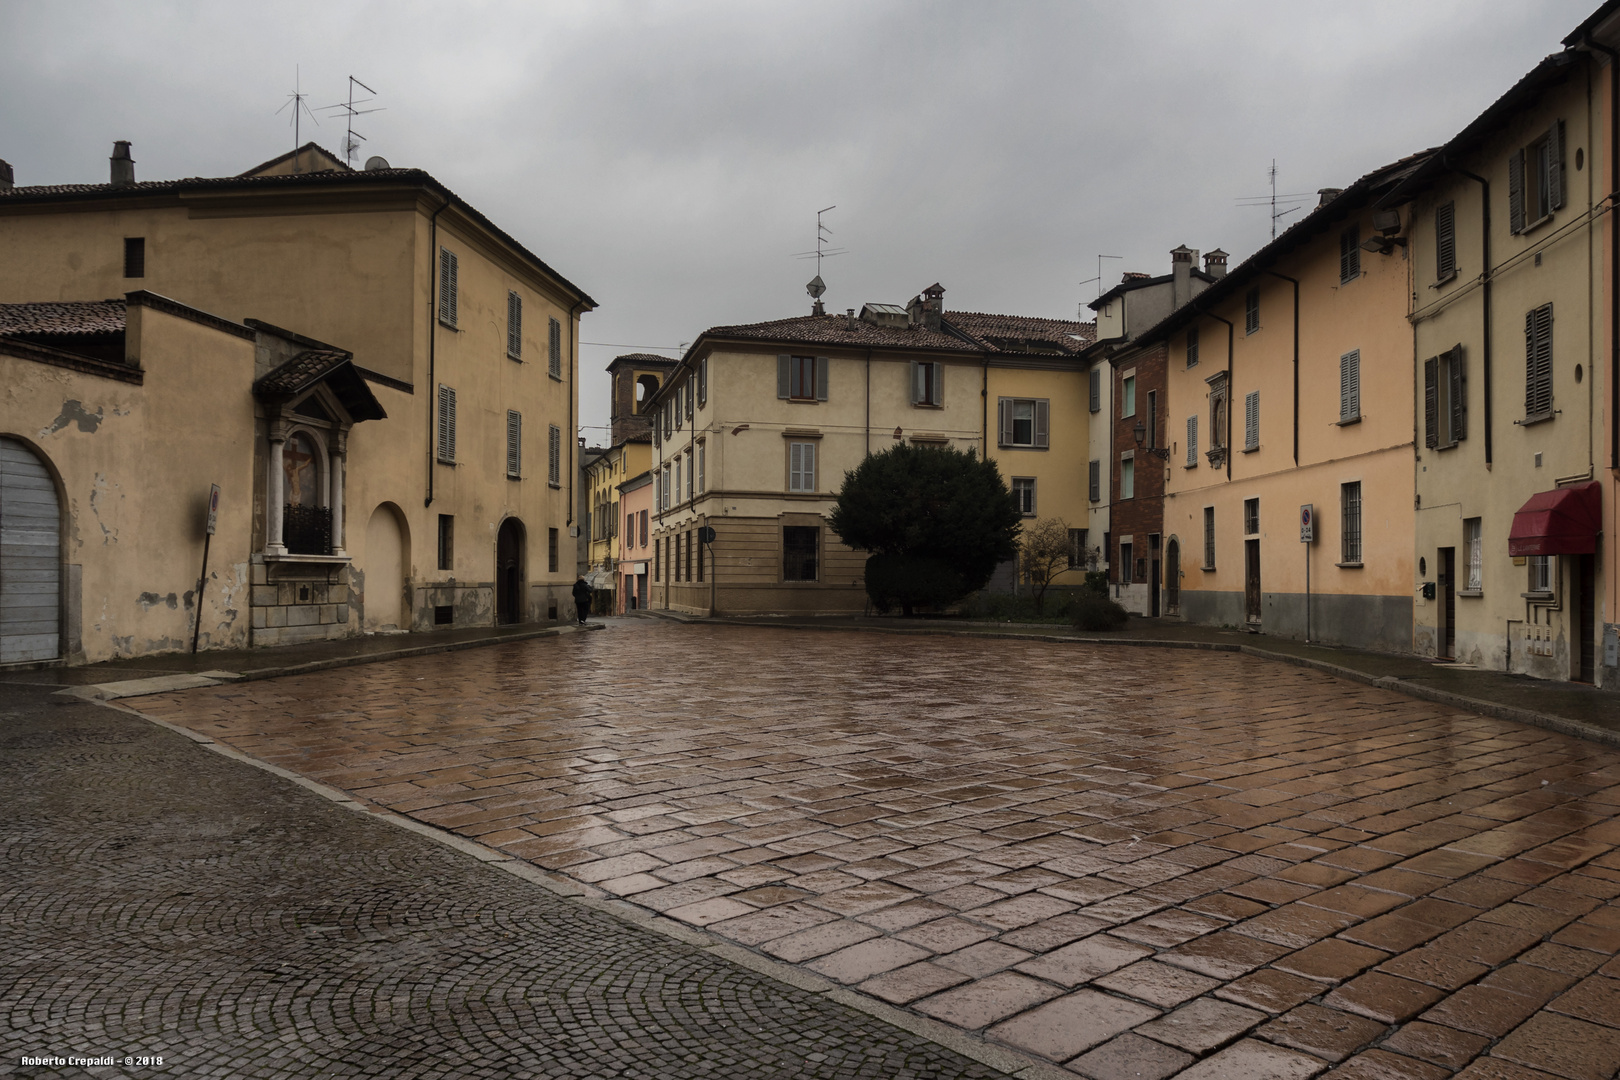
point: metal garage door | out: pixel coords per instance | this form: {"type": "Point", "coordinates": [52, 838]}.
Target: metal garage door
{"type": "Point", "coordinates": [30, 558]}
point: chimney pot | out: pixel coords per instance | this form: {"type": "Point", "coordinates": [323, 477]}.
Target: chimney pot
{"type": "Point", "coordinates": [1215, 263]}
{"type": "Point", "coordinates": [1182, 259]}
{"type": "Point", "coordinates": [123, 166]}
{"type": "Point", "coordinates": [5, 176]}
{"type": "Point", "coordinates": [1327, 195]}
{"type": "Point", "coordinates": [849, 319]}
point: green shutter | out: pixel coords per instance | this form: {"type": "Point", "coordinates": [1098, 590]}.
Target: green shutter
{"type": "Point", "coordinates": [1516, 191]}
{"type": "Point", "coordinates": [1431, 402]}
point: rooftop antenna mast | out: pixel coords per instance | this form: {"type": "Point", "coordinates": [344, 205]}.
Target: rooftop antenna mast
{"type": "Point", "coordinates": [351, 109]}
{"type": "Point", "coordinates": [817, 286]}
{"type": "Point", "coordinates": [300, 106]}
{"type": "Point", "coordinates": [1098, 279]}
{"type": "Point", "coordinates": [1290, 203]}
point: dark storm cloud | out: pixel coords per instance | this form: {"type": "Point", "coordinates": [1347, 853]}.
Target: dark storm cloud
{"type": "Point", "coordinates": [669, 157]}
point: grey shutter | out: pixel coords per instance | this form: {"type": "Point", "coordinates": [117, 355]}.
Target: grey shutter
{"type": "Point", "coordinates": [1096, 390]}
{"type": "Point", "coordinates": [822, 364]}
{"type": "Point", "coordinates": [514, 325]}
{"type": "Point", "coordinates": [514, 444]}
{"type": "Point", "coordinates": [690, 389]}
{"type": "Point", "coordinates": [1555, 165]}
{"type": "Point", "coordinates": [1459, 395]}
{"type": "Point", "coordinates": [1431, 402]}
{"type": "Point", "coordinates": [939, 384]}
{"type": "Point", "coordinates": [447, 424]}
{"type": "Point", "coordinates": [554, 454]}
{"type": "Point", "coordinates": [1350, 253]}
{"type": "Point", "coordinates": [1445, 241]}
{"type": "Point", "coordinates": [703, 382]}
{"type": "Point", "coordinates": [1350, 385]}
{"type": "Point", "coordinates": [809, 466]}
{"type": "Point", "coordinates": [1516, 191]}
{"type": "Point", "coordinates": [555, 346]}
{"type": "Point", "coordinates": [447, 286]}
{"type": "Point", "coordinates": [784, 375]}
{"type": "Point", "coordinates": [1192, 440]}
{"type": "Point", "coordinates": [1538, 361]}
{"type": "Point", "coordinates": [1251, 420]}
{"type": "Point", "coordinates": [30, 557]}
{"type": "Point", "coordinates": [795, 464]}
{"type": "Point", "coordinates": [1004, 421]}
{"type": "Point", "coordinates": [1095, 481]}
{"type": "Point", "coordinates": [1041, 418]}
{"type": "Point", "coordinates": [917, 384]}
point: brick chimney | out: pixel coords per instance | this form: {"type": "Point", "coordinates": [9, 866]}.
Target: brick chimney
{"type": "Point", "coordinates": [1215, 263]}
{"type": "Point", "coordinates": [925, 310]}
{"type": "Point", "coordinates": [1182, 260]}
{"type": "Point", "coordinates": [5, 176]}
{"type": "Point", "coordinates": [123, 166]}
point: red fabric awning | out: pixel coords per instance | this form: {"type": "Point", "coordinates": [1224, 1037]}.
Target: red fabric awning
{"type": "Point", "coordinates": [1564, 521]}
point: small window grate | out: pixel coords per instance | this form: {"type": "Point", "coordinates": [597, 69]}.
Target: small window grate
{"type": "Point", "coordinates": [134, 256]}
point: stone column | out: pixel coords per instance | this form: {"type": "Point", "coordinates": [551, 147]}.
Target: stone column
{"type": "Point", "coordinates": [275, 495]}
{"type": "Point", "coordinates": [339, 457]}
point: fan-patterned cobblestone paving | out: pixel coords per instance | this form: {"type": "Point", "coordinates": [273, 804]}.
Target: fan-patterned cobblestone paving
{"type": "Point", "coordinates": [1136, 863]}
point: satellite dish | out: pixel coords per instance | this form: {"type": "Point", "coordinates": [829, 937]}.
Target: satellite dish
{"type": "Point", "coordinates": [816, 287]}
{"type": "Point", "coordinates": [375, 163]}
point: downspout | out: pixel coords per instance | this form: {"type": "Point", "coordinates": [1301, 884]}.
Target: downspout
{"type": "Point", "coordinates": [1485, 276]}
{"type": "Point", "coordinates": [984, 413]}
{"type": "Point", "coordinates": [868, 404]}
{"type": "Point", "coordinates": [1295, 283]}
{"type": "Point", "coordinates": [573, 400]}
{"type": "Point", "coordinates": [433, 341]}
{"type": "Point", "coordinates": [1231, 390]}
{"type": "Point", "coordinates": [1614, 249]}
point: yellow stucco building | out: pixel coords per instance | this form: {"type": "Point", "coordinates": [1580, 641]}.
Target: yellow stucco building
{"type": "Point", "coordinates": [455, 504]}
{"type": "Point", "coordinates": [636, 378]}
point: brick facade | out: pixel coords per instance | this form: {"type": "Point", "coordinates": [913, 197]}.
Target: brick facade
{"type": "Point", "coordinates": [1138, 521]}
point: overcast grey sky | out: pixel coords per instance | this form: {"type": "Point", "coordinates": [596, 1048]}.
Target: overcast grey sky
{"type": "Point", "coordinates": [669, 157]}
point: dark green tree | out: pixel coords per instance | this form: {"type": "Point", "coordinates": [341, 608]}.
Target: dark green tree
{"type": "Point", "coordinates": [935, 521]}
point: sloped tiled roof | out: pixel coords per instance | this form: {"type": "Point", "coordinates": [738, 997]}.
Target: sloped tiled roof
{"type": "Point", "coordinates": [332, 366]}
{"type": "Point", "coordinates": [645, 358]}
{"type": "Point", "coordinates": [1023, 334]}
{"type": "Point", "coordinates": [72, 317]}
{"type": "Point", "coordinates": [835, 330]}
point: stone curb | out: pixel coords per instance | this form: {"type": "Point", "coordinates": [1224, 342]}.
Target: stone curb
{"type": "Point", "coordinates": [1550, 721]}
{"type": "Point", "coordinates": [1004, 1059]}
{"type": "Point", "coordinates": [163, 684]}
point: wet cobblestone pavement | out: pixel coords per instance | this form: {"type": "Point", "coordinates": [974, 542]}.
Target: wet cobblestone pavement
{"type": "Point", "coordinates": [159, 900]}
{"type": "Point", "coordinates": [1135, 863]}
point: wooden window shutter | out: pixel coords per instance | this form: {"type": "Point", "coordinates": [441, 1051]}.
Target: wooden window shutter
{"type": "Point", "coordinates": [1095, 481]}
{"type": "Point", "coordinates": [1431, 402]}
{"type": "Point", "coordinates": [918, 393]}
{"type": "Point", "coordinates": [514, 444]}
{"type": "Point", "coordinates": [514, 326]}
{"type": "Point", "coordinates": [1004, 422]}
{"type": "Point", "coordinates": [1041, 421]}
{"type": "Point", "coordinates": [939, 384]}
{"type": "Point", "coordinates": [447, 286]}
{"type": "Point", "coordinates": [1445, 241]}
{"type": "Point", "coordinates": [1538, 361]}
{"type": "Point", "coordinates": [1096, 390]}
{"type": "Point", "coordinates": [822, 364]}
{"type": "Point", "coordinates": [703, 382]}
{"type": "Point", "coordinates": [554, 344]}
{"type": "Point", "coordinates": [554, 454]}
{"type": "Point", "coordinates": [691, 387]}
{"type": "Point", "coordinates": [1459, 395]}
{"type": "Point", "coordinates": [1251, 420]}
{"type": "Point", "coordinates": [1350, 253]}
{"type": "Point", "coordinates": [809, 466]}
{"type": "Point", "coordinates": [1516, 191]}
{"type": "Point", "coordinates": [795, 464]}
{"type": "Point", "coordinates": [784, 376]}
{"type": "Point", "coordinates": [1192, 440]}
{"type": "Point", "coordinates": [1350, 385]}
{"type": "Point", "coordinates": [1555, 165]}
{"type": "Point", "coordinates": [1192, 346]}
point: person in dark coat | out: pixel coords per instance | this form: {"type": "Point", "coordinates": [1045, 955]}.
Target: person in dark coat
{"type": "Point", "coordinates": [582, 598]}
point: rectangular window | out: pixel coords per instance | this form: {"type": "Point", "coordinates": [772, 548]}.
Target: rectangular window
{"type": "Point", "coordinates": [1251, 517]}
{"type": "Point", "coordinates": [927, 383]}
{"type": "Point", "coordinates": [1445, 242]}
{"type": "Point", "coordinates": [1096, 389]}
{"type": "Point", "coordinates": [801, 466]}
{"type": "Point", "coordinates": [1541, 573]}
{"type": "Point", "coordinates": [689, 539]}
{"type": "Point", "coordinates": [447, 542]}
{"type": "Point", "coordinates": [680, 413]}
{"type": "Point", "coordinates": [1350, 386]}
{"type": "Point", "coordinates": [1023, 493]}
{"type": "Point", "coordinates": [1127, 477]}
{"type": "Point", "coordinates": [134, 256]}
{"type": "Point", "coordinates": [1474, 552]}
{"type": "Point", "coordinates": [554, 348]}
{"type": "Point", "coordinates": [643, 516]}
{"type": "Point", "coordinates": [800, 547]}
{"type": "Point", "coordinates": [630, 530]}
{"type": "Point", "coordinates": [1125, 562]}
{"type": "Point", "coordinates": [801, 378]}
{"type": "Point", "coordinates": [1209, 538]}
{"type": "Point", "coordinates": [1350, 516]}
{"type": "Point", "coordinates": [514, 326]}
{"type": "Point", "coordinates": [1095, 479]}
{"type": "Point", "coordinates": [703, 382]}
{"type": "Point", "coordinates": [1192, 346]}
{"type": "Point", "coordinates": [1251, 420]}
{"type": "Point", "coordinates": [691, 477]}
{"type": "Point", "coordinates": [691, 385]}
{"type": "Point", "coordinates": [1127, 396]}
{"type": "Point", "coordinates": [701, 447]}
{"type": "Point", "coordinates": [1350, 254]}
{"type": "Point", "coordinates": [447, 287]}
{"type": "Point", "coordinates": [1152, 418]}
{"type": "Point", "coordinates": [514, 445]}
{"type": "Point", "coordinates": [1536, 179]}
{"type": "Point", "coordinates": [551, 550]}
{"type": "Point", "coordinates": [1192, 441]}
{"type": "Point", "coordinates": [1217, 419]}
{"type": "Point", "coordinates": [675, 490]}
{"type": "Point", "coordinates": [1445, 399]}
{"type": "Point", "coordinates": [700, 548]}
{"type": "Point", "coordinates": [1023, 422]}
{"type": "Point", "coordinates": [1077, 549]}
{"type": "Point", "coordinates": [554, 456]}
{"type": "Point", "coordinates": [658, 560]}
{"type": "Point", "coordinates": [1538, 327]}
{"type": "Point", "coordinates": [447, 425]}
{"type": "Point", "coordinates": [1251, 311]}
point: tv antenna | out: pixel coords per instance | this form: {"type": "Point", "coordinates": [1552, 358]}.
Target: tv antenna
{"type": "Point", "coordinates": [300, 107]}
{"type": "Point", "coordinates": [1281, 205]}
{"type": "Point", "coordinates": [821, 250]}
{"type": "Point", "coordinates": [1098, 279]}
{"type": "Point", "coordinates": [351, 109]}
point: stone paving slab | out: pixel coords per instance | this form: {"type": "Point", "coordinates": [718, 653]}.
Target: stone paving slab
{"type": "Point", "coordinates": [161, 901]}
{"type": "Point", "coordinates": [1117, 859]}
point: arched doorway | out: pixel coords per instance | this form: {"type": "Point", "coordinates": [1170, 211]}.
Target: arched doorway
{"type": "Point", "coordinates": [1172, 577]}
{"type": "Point", "coordinates": [387, 560]}
{"type": "Point", "coordinates": [30, 557]}
{"type": "Point", "coordinates": [509, 545]}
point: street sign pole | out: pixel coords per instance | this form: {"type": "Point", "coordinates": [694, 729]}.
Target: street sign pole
{"type": "Point", "coordinates": [1307, 536]}
{"type": "Point", "coordinates": [706, 537]}
{"type": "Point", "coordinates": [202, 580]}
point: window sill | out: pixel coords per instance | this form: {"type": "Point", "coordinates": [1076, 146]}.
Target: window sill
{"type": "Point", "coordinates": [927, 405]}
{"type": "Point", "coordinates": [1348, 280]}
{"type": "Point", "coordinates": [1531, 421]}
{"type": "Point", "coordinates": [1471, 592]}
{"type": "Point", "coordinates": [555, 376]}
{"type": "Point", "coordinates": [509, 476]}
{"type": "Point", "coordinates": [1207, 569]}
{"type": "Point", "coordinates": [1251, 333]}
{"type": "Point", "coordinates": [1357, 565]}
{"type": "Point", "coordinates": [1539, 597]}
{"type": "Point", "coordinates": [554, 485]}
{"type": "Point", "coordinates": [1346, 423]}
{"type": "Point", "coordinates": [1190, 465]}
{"type": "Point", "coordinates": [802, 400]}
{"type": "Point", "coordinates": [1248, 449]}
{"type": "Point", "coordinates": [442, 461]}
{"type": "Point", "coordinates": [324, 560]}
{"type": "Point", "coordinates": [514, 359]}
{"type": "Point", "coordinates": [1444, 446]}
{"type": "Point", "coordinates": [450, 326]}
{"type": "Point", "coordinates": [1532, 226]}
{"type": "Point", "coordinates": [1447, 280]}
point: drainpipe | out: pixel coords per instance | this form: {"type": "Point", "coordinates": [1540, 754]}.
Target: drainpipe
{"type": "Point", "coordinates": [984, 413]}
{"type": "Point", "coordinates": [868, 447]}
{"type": "Point", "coordinates": [1614, 249]}
{"type": "Point", "coordinates": [1295, 283]}
{"type": "Point", "coordinates": [573, 399]}
{"type": "Point", "coordinates": [1231, 390]}
{"type": "Point", "coordinates": [1485, 276]}
{"type": "Point", "coordinates": [433, 341]}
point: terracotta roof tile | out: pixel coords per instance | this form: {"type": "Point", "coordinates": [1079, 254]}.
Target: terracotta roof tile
{"type": "Point", "coordinates": [300, 372]}
{"type": "Point", "coordinates": [1024, 334]}
{"type": "Point", "coordinates": [835, 330]}
{"type": "Point", "coordinates": [77, 317]}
